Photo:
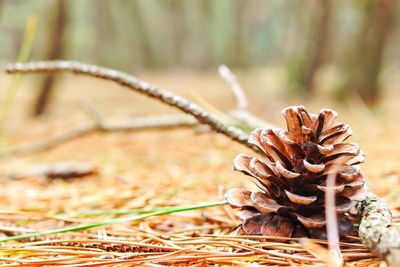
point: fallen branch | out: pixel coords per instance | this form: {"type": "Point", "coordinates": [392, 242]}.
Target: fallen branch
{"type": "Point", "coordinates": [242, 103]}
{"type": "Point", "coordinates": [139, 86]}
{"type": "Point", "coordinates": [241, 113]}
{"type": "Point", "coordinates": [376, 231]}
{"type": "Point", "coordinates": [156, 122]}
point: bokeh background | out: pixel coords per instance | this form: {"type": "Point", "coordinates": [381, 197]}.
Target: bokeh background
{"type": "Point", "coordinates": [337, 54]}
{"type": "Point", "coordinates": [308, 47]}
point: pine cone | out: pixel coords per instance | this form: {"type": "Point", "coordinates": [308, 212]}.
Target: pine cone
{"type": "Point", "coordinates": [292, 176]}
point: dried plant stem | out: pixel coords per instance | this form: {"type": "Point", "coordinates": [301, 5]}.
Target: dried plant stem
{"type": "Point", "coordinates": [242, 103]}
{"type": "Point", "coordinates": [331, 222]}
{"type": "Point", "coordinates": [377, 230]}
{"type": "Point", "coordinates": [136, 85]}
{"type": "Point", "coordinates": [241, 112]}
{"type": "Point", "coordinates": [155, 122]}
{"type": "Point", "coordinates": [48, 144]}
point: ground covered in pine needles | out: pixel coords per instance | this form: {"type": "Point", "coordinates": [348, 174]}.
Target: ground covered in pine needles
{"type": "Point", "coordinates": [134, 172]}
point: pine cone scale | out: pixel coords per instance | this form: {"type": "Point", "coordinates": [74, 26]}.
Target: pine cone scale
{"type": "Point", "coordinates": [315, 221]}
{"type": "Point", "coordinates": [298, 199]}
{"type": "Point", "coordinates": [314, 168]}
{"type": "Point", "coordinates": [238, 197]}
{"type": "Point", "coordinates": [264, 204]}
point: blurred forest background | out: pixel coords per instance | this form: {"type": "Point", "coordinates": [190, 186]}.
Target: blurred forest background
{"type": "Point", "coordinates": [341, 48]}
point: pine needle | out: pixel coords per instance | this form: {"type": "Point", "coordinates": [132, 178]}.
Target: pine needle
{"type": "Point", "coordinates": [163, 211]}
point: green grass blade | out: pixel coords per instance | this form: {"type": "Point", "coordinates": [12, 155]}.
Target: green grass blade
{"type": "Point", "coordinates": [163, 211]}
{"type": "Point", "coordinates": [106, 213]}
{"type": "Point", "coordinates": [23, 56]}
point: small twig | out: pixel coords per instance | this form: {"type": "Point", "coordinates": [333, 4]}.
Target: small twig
{"type": "Point", "coordinates": [242, 103]}
{"type": "Point", "coordinates": [156, 122]}
{"type": "Point", "coordinates": [250, 120]}
{"type": "Point", "coordinates": [139, 86]}
{"type": "Point", "coordinates": [48, 144]}
{"type": "Point", "coordinates": [241, 112]}
{"type": "Point", "coordinates": [93, 113]}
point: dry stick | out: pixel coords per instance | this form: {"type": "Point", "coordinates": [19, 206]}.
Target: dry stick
{"type": "Point", "coordinates": [376, 231]}
{"type": "Point", "coordinates": [139, 86]}
{"type": "Point", "coordinates": [100, 125]}
{"type": "Point", "coordinates": [242, 103]}
{"type": "Point", "coordinates": [241, 112]}
{"type": "Point", "coordinates": [45, 145]}
{"type": "Point", "coordinates": [155, 122]}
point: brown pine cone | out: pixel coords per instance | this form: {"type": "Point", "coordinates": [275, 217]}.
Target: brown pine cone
{"type": "Point", "coordinates": [292, 176]}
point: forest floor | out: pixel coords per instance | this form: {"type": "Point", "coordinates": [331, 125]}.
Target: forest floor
{"type": "Point", "coordinates": [153, 168]}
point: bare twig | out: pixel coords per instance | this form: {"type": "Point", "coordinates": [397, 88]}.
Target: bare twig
{"type": "Point", "coordinates": [155, 122]}
{"type": "Point", "coordinates": [139, 86]}
{"type": "Point", "coordinates": [93, 113]}
{"type": "Point", "coordinates": [241, 112]}
{"type": "Point", "coordinates": [250, 120]}
{"type": "Point", "coordinates": [241, 99]}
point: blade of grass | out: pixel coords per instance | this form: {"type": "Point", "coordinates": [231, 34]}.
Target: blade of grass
{"type": "Point", "coordinates": [106, 213]}
{"type": "Point", "coordinates": [163, 211]}
{"type": "Point", "coordinates": [23, 56]}
{"type": "Point", "coordinates": [129, 211]}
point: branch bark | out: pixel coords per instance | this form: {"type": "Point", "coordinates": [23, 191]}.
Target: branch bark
{"type": "Point", "coordinates": [377, 230]}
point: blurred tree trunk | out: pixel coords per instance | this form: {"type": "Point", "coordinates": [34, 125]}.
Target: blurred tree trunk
{"type": "Point", "coordinates": [149, 58]}
{"type": "Point", "coordinates": [304, 66]}
{"type": "Point", "coordinates": [57, 26]}
{"type": "Point", "coordinates": [319, 46]}
{"type": "Point", "coordinates": [365, 62]}
{"type": "Point", "coordinates": [239, 54]}
{"type": "Point", "coordinates": [206, 13]}
{"type": "Point", "coordinates": [106, 29]}
{"type": "Point", "coordinates": [176, 11]}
